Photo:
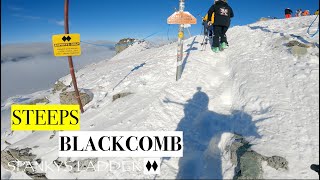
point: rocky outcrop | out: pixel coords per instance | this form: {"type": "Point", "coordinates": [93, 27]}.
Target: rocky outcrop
{"type": "Point", "coordinates": [40, 101]}
{"type": "Point", "coordinates": [248, 162]}
{"type": "Point", "coordinates": [34, 175]}
{"type": "Point", "coordinates": [70, 97]}
{"type": "Point", "coordinates": [298, 51]}
{"type": "Point", "coordinates": [277, 162]}
{"type": "Point", "coordinates": [12, 157]}
{"type": "Point", "coordinates": [297, 48]}
{"type": "Point", "coordinates": [59, 86]}
{"type": "Point", "coordinates": [123, 44]}
{"type": "Point", "coordinates": [120, 95]}
{"type": "Point", "coordinates": [23, 160]}
{"type": "Point", "coordinates": [266, 18]}
{"type": "Point", "coordinates": [16, 154]}
{"type": "Point", "coordinates": [297, 43]}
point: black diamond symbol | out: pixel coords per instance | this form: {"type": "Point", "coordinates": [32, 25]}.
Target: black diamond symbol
{"type": "Point", "coordinates": [148, 165]}
{"type": "Point", "coordinates": [155, 166]}
{"type": "Point", "coordinates": [66, 38]}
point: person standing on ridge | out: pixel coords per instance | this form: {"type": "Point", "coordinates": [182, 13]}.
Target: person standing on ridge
{"type": "Point", "coordinates": [222, 13]}
{"type": "Point", "coordinates": [306, 13]}
{"type": "Point", "coordinates": [299, 13]}
{"type": "Point", "coordinates": [207, 29]}
{"type": "Point", "coordinates": [287, 12]}
{"type": "Point", "coordinates": [317, 12]}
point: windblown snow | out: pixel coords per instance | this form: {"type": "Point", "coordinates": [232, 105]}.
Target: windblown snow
{"type": "Point", "coordinates": [257, 88]}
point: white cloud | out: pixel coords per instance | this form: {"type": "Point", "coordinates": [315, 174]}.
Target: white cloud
{"type": "Point", "coordinates": [15, 8]}
{"type": "Point", "coordinates": [54, 21]}
{"type": "Point", "coordinates": [60, 23]}
{"type": "Point", "coordinates": [27, 16]}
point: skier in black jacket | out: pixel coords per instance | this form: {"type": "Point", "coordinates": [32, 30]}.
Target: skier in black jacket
{"type": "Point", "coordinates": [287, 12]}
{"type": "Point", "coordinates": [222, 18]}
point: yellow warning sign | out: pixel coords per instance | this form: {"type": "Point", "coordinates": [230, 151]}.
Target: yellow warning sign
{"type": "Point", "coordinates": [66, 45]}
{"type": "Point", "coordinates": [180, 35]}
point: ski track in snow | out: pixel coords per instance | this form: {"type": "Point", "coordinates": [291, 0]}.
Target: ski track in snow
{"type": "Point", "coordinates": [218, 94]}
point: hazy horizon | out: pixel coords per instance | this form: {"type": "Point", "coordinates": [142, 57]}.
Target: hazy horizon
{"type": "Point", "coordinates": [31, 67]}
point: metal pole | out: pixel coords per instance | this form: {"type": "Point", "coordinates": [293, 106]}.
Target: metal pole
{"type": "Point", "coordinates": [66, 31]}
{"type": "Point", "coordinates": [180, 44]}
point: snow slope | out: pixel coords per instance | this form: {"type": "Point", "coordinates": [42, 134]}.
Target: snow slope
{"type": "Point", "coordinates": [256, 88]}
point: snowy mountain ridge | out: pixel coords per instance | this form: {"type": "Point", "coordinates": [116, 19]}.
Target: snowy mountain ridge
{"type": "Point", "coordinates": [257, 88]}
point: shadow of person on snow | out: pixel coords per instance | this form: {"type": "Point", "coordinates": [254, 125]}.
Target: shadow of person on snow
{"type": "Point", "coordinates": [202, 131]}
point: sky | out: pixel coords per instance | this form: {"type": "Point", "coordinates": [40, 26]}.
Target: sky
{"type": "Point", "coordinates": [24, 21]}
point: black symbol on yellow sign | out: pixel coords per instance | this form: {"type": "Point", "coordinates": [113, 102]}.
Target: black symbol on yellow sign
{"type": "Point", "coordinates": [66, 38]}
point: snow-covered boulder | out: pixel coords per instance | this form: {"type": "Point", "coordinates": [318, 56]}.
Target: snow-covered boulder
{"type": "Point", "coordinates": [70, 98]}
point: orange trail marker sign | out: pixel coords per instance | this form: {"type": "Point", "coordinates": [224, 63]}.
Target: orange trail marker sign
{"type": "Point", "coordinates": [182, 17]}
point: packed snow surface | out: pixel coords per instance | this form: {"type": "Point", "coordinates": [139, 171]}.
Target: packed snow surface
{"type": "Point", "coordinates": [256, 88]}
